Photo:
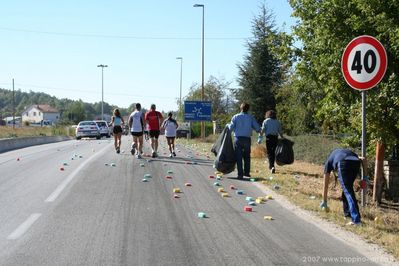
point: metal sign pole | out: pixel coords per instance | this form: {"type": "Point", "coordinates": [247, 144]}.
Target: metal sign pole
{"type": "Point", "coordinates": [364, 191]}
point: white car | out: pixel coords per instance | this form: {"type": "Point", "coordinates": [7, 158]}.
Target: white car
{"type": "Point", "coordinates": [87, 129]}
{"type": "Point", "coordinates": [104, 129]}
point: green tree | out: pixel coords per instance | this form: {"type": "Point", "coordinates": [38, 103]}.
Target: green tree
{"type": "Point", "coordinates": [325, 28]}
{"type": "Point", "coordinates": [262, 72]}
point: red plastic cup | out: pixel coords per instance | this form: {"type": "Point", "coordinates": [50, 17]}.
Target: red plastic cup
{"type": "Point", "coordinates": [247, 208]}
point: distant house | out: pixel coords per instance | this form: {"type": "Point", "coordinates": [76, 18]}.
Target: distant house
{"type": "Point", "coordinates": [41, 114]}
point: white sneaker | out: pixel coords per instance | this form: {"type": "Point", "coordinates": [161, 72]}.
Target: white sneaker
{"type": "Point", "coordinates": [170, 155]}
{"type": "Point", "coordinates": [138, 156]}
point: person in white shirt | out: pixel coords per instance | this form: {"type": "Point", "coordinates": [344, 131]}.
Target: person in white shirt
{"type": "Point", "coordinates": [170, 125]}
{"type": "Point", "coordinates": [136, 125]}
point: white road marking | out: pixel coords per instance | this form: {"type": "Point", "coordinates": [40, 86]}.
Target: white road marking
{"type": "Point", "coordinates": [53, 196]}
{"type": "Point", "coordinates": [24, 226]}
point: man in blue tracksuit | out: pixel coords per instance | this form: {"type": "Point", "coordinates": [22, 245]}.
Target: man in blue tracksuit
{"type": "Point", "coordinates": [242, 125]}
{"type": "Point", "coordinates": [347, 165]}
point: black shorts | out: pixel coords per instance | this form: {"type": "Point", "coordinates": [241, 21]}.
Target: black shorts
{"type": "Point", "coordinates": [170, 138]}
{"type": "Point", "coordinates": [137, 134]}
{"type": "Point", "coordinates": [117, 130]}
{"type": "Point", "coordinates": [154, 133]}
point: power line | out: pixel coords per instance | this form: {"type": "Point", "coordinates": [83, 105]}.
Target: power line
{"type": "Point", "coordinates": [88, 35]}
{"type": "Point", "coordinates": [86, 91]}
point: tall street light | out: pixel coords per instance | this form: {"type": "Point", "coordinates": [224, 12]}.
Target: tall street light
{"type": "Point", "coordinates": [181, 80]}
{"type": "Point", "coordinates": [202, 83]}
{"type": "Point", "coordinates": [102, 90]}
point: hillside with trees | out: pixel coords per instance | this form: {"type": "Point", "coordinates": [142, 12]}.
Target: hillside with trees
{"type": "Point", "coordinates": [71, 111]}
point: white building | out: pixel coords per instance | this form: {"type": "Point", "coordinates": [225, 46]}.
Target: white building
{"type": "Point", "coordinates": [42, 113]}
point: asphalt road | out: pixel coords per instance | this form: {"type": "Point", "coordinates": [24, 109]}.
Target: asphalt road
{"type": "Point", "coordinates": [97, 214]}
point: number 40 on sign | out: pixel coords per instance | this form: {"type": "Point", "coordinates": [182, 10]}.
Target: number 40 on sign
{"type": "Point", "coordinates": [364, 62]}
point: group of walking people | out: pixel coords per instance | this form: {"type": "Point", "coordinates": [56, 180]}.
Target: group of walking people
{"type": "Point", "coordinates": [343, 161]}
{"type": "Point", "coordinates": [242, 125]}
{"type": "Point", "coordinates": [140, 123]}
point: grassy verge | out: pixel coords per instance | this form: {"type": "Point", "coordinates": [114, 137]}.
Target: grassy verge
{"type": "Point", "coordinates": [18, 132]}
{"type": "Point", "coordinates": [301, 183]}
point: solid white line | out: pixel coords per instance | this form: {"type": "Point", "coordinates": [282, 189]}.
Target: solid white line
{"type": "Point", "coordinates": [53, 196]}
{"type": "Point", "coordinates": [24, 226]}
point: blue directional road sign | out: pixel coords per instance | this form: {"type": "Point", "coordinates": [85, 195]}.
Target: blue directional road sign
{"type": "Point", "coordinates": [197, 111]}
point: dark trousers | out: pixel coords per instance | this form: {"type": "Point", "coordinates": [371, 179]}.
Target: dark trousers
{"type": "Point", "coordinates": [347, 173]}
{"type": "Point", "coordinates": [271, 144]}
{"type": "Point", "coordinates": [242, 146]}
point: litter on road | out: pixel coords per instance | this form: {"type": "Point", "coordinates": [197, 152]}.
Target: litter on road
{"type": "Point", "coordinates": [144, 180]}
{"type": "Point", "coordinates": [168, 177]}
{"type": "Point", "coordinates": [240, 192]}
{"type": "Point", "coordinates": [220, 189]}
{"type": "Point", "coordinates": [247, 208]}
{"type": "Point", "coordinates": [176, 196]}
{"type": "Point", "coordinates": [176, 190]}
{"type": "Point", "coordinates": [269, 197]}
{"type": "Point", "coordinates": [225, 195]}
{"type": "Point", "coordinates": [187, 184]}
{"type": "Point", "coordinates": [216, 184]}
{"type": "Point", "coordinates": [249, 199]}
{"type": "Point", "coordinates": [202, 215]}
{"type": "Point", "coordinates": [268, 218]}
{"type": "Point", "coordinates": [147, 176]}
{"type": "Point", "coordinates": [252, 203]}
{"type": "Point", "coordinates": [211, 176]}
{"type": "Point", "coordinates": [62, 168]}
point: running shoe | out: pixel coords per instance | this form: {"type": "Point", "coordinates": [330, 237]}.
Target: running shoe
{"type": "Point", "coordinates": [170, 155]}
{"type": "Point", "coordinates": [154, 154]}
{"type": "Point", "coordinates": [138, 156]}
{"type": "Point", "coordinates": [174, 154]}
{"type": "Point", "coordinates": [118, 150]}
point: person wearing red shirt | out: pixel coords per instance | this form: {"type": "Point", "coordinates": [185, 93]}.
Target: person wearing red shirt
{"type": "Point", "coordinates": [154, 120]}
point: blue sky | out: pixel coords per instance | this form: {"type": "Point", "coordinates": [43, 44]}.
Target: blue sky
{"type": "Point", "coordinates": [55, 46]}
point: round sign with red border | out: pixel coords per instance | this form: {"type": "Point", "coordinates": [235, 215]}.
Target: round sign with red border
{"type": "Point", "coordinates": [364, 62]}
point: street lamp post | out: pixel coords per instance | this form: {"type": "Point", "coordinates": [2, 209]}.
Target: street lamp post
{"type": "Point", "coordinates": [181, 80]}
{"type": "Point", "coordinates": [202, 83]}
{"type": "Point", "coordinates": [102, 90]}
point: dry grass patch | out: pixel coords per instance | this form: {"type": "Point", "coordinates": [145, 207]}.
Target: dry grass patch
{"type": "Point", "coordinates": [18, 132]}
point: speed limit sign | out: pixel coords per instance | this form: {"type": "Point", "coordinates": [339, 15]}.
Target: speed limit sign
{"type": "Point", "coordinates": [364, 62]}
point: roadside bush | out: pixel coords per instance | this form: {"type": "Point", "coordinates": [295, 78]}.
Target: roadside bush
{"type": "Point", "coordinates": [196, 129]}
{"type": "Point", "coordinates": [314, 148]}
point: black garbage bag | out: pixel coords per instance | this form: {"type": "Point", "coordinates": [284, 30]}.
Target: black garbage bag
{"type": "Point", "coordinates": [223, 148]}
{"type": "Point", "coordinates": [284, 152]}
{"type": "Point", "coordinates": [218, 143]}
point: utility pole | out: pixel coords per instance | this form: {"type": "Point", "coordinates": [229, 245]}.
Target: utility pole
{"type": "Point", "coordinates": [13, 105]}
